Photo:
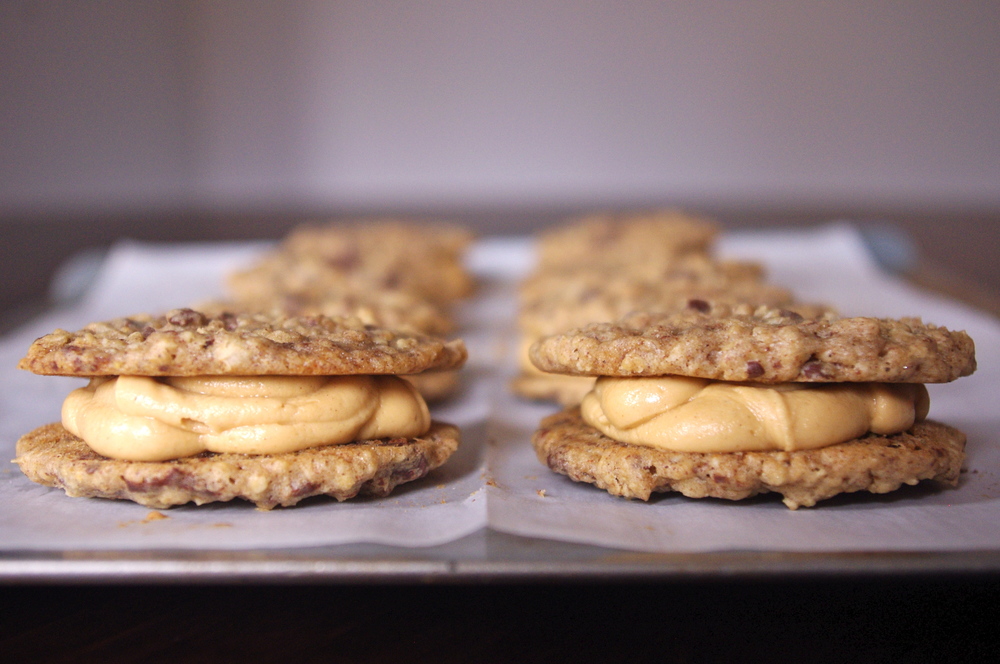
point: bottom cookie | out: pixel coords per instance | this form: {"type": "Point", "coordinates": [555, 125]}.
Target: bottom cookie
{"type": "Point", "coordinates": [878, 464]}
{"type": "Point", "coordinates": [52, 456]}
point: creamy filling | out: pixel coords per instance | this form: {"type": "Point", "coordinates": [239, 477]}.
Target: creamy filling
{"type": "Point", "coordinates": [150, 419]}
{"type": "Point", "coordinates": [695, 415]}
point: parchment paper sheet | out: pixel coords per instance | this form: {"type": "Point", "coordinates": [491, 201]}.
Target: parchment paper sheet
{"type": "Point", "coordinates": [494, 480]}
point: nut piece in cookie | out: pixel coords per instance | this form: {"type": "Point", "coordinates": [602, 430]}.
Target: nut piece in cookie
{"type": "Point", "coordinates": [752, 401]}
{"type": "Point", "coordinates": [191, 407]}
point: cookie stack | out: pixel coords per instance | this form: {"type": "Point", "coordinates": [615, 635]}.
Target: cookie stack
{"type": "Point", "coordinates": [728, 396]}
{"type": "Point", "coordinates": [308, 381]}
{"type": "Point", "coordinates": [601, 267]}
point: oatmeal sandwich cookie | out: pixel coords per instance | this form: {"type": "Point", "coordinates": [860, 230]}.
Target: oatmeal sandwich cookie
{"type": "Point", "coordinates": [189, 407]}
{"type": "Point", "coordinates": [737, 401]}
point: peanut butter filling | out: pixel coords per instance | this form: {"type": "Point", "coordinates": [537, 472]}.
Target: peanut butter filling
{"type": "Point", "coordinates": [148, 419]}
{"type": "Point", "coordinates": [696, 415]}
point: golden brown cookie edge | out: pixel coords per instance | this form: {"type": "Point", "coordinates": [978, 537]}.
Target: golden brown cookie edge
{"type": "Point", "coordinates": [878, 464]}
{"type": "Point", "coordinates": [241, 344]}
{"type": "Point", "coordinates": [766, 345]}
{"type": "Point", "coordinates": [51, 456]}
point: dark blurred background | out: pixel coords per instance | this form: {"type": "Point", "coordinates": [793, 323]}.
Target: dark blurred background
{"type": "Point", "coordinates": [235, 119]}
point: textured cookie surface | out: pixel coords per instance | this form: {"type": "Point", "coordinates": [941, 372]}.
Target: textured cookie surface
{"type": "Point", "coordinates": [566, 311]}
{"type": "Point", "coordinates": [185, 342]}
{"type": "Point", "coordinates": [878, 464]}
{"type": "Point", "coordinates": [391, 309]}
{"type": "Point", "coordinates": [686, 272]}
{"type": "Point", "coordinates": [384, 255]}
{"type": "Point", "coordinates": [760, 344]}
{"type": "Point", "coordinates": [312, 277]}
{"type": "Point", "coordinates": [624, 238]}
{"type": "Point", "coordinates": [53, 457]}
{"type": "Point", "coordinates": [346, 242]}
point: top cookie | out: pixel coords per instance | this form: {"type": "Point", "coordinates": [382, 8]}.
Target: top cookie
{"type": "Point", "coordinates": [624, 239]}
{"type": "Point", "coordinates": [688, 272]}
{"type": "Point", "coordinates": [391, 309]}
{"type": "Point", "coordinates": [762, 344]}
{"type": "Point", "coordinates": [587, 301]}
{"type": "Point", "coordinates": [362, 239]}
{"type": "Point", "coordinates": [185, 342]}
{"type": "Point", "coordinates": [314, 261]}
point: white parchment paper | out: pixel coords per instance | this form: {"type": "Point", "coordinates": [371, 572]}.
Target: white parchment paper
{"type": "Point", "coordinates": [494, 480]}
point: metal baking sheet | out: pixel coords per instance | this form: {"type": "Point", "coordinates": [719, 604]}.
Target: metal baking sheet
{"type": "Point", "coordinates": [583, 545]}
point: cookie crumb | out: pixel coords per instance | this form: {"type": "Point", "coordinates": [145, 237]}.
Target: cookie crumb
{"type": "Point", "coordinates": [541, 493]}
{"type": "Point", "coordinates": [155, 516]}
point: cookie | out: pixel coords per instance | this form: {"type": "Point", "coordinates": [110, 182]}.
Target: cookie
{"type": "Point", "coordinates": [391, 309]}
{"type": "Point", "coordinates": [368, 239]}
{"type": "Point", "coordinates": [624, 238]}
{"type": "Point", "coordinates": [53, 457]}
{"type": "Point", "coordinates": [313, 278]}
{"type": "Point", "coordinates": [877, 464]}
{"type": "Point", "coordinates": [566, 313]}
{"type": "Point", "coordinates": [184, 342]}
{"type": "Point", "coordinates": [760, 344]}
{"type": "Point", "coordinates": [667, 273]}
{"type": "Point", "coordinates": [316, 260]}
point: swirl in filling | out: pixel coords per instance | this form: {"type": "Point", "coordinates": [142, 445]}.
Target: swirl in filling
{"type": "Point", "coordinates": [696, 415]}
{"type": "Point", "coordinates": [149, 419]}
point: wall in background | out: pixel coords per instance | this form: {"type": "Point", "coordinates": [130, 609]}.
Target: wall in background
{"type": "Point", "coordinates": [117, 106]}
{"type": "Point", "coordinates": [92, 105]}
